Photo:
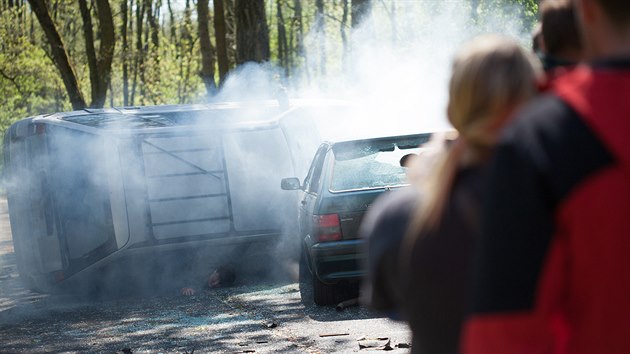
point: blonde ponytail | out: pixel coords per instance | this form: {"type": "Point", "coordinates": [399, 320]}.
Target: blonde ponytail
{"type": "Point", "coordinates": [491, 77]}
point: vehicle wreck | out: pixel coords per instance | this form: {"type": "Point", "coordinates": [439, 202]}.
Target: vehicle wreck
{"type": "Point", "coordinates": [90, 188]}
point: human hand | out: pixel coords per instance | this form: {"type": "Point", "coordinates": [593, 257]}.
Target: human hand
{"type": "Point", "coordinates": [187, 291]}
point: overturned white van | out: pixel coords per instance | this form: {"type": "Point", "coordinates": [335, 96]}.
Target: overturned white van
{"type": "Point", "coordinates": [86, 188]}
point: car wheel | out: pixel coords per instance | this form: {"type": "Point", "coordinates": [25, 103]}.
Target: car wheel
{"type": "Point", "coordinates": [312, 289]}
{"type": "Point", "coordinates": [324, 294]}
{"type": "Point", "coordinates": [306, 289]}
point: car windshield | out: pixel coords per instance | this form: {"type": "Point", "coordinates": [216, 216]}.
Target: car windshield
{"type": "Point", "coordinates": [367, 170]}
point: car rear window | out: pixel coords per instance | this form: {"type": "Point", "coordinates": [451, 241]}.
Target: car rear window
{"type": "Point", "coordinates": [369, 169]}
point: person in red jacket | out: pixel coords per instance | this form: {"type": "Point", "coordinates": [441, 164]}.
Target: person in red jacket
{"type": "Point", "coordinates": [552, 265]}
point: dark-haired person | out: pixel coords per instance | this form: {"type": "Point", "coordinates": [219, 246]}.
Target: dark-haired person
{"type": "Point", "coordinates": [553, 271]}
{"type": "Point", "coordinates": [420, 240]}
{"type": "Point", "coordinates": [221, 277]}
{"type": "Point", "coordinates": [561, 42]}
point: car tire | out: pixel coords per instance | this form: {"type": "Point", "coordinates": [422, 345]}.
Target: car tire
{"type": "Point", "coordinates": [324, 294]}
{"type": "Point", "coordinates": [306, 288]}
{"type": "Point", "coordinates": [312, 289]}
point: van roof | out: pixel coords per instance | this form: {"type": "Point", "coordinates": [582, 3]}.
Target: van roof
{"type": "Point", "coordinates": [220, 115]}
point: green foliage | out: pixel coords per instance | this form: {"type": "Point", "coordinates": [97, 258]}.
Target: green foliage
{"type": "Point", "coordinates": [169, 73]}
{"type": "Point", "coordinates": [29, 82]}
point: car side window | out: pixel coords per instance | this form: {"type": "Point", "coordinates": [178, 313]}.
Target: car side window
{"type": "Point", "coordinates": [311, 183]}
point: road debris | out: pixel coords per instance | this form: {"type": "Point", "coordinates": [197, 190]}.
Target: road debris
{"type": "Point", "coordinates": [334, 334]}
{"type": "Point", "coordinates": [382, 343]}
{"type": "Point", "coordinates": [271, 324]}
{"type": "Point", "coordinates": [347, 303]}
{"type": "Point", "coordinates": [291, 290]}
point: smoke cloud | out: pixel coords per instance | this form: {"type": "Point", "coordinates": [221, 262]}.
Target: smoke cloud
{"type": "Point", "coordinates": [391, 79]}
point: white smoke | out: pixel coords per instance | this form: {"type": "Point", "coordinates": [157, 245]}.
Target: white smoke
{"type": "Point", "coordinates": [395, 76]}
{"type": "Point", "coordinates": [397, 67]}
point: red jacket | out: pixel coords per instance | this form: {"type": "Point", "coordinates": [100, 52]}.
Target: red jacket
{"type": "Point", "coordinates": [553, 272]}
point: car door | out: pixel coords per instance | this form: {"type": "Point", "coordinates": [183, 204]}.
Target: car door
{"type": "Point", "coordinates": [311, 192]}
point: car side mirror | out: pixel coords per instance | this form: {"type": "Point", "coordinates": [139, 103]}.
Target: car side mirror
{"type": "Point", "coordinates": [290, 184]}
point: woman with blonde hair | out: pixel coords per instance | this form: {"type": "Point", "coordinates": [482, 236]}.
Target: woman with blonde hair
{"type": "Point", "coordinates": [420, 239]}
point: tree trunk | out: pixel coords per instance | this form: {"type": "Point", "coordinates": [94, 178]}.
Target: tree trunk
{"type": "Point", "coordinates": [252, 33]}
{"type": "Point", "coordinates": [300, 37]}
{"type": "Point", "coordinates": [321, 33]}
{"type": "Point", "coordinates": [220, 34]}
{"type": "Point", "coordinates": [360, 10]}
{"type": "Point", "coordinates": [344, 38]}
{"type": "Point", "coordinates": [152, 70]}
{"type": "Point", "coordinates": [207, 55]}
{"type": "Point", "coordinates": [125, 52]}
{"type": "Point", "coordinates": [153, 23]}
{"type": "Point", "coordinates": [230, 31]}
{"type": "Point", "coordinates": [139, 55]}
{"type": "Point", "coordinates": [90, 52]}
{"type": "Point", "coordinates": [59, 54]}
{"type": "Point", "coordinates": [173, 27]}
{"type": "Point", "coordinates": [186, 54]}
{"type": "Point", "coordinates": [283, 49]}
{"type": "Point", "coordinates": [145, 61]}
{"type": "Point", "coordinates": [106, 50]}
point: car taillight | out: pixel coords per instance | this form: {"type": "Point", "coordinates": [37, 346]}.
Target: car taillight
{"type": "Point", "coordinates": [326, 227]}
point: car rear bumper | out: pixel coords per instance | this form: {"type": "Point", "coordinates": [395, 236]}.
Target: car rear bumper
{"type": "Point", "coordinates": [332, 262]}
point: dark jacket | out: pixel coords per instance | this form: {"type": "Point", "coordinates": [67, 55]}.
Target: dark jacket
{"type": "Point", "coordinates": [430, 291]}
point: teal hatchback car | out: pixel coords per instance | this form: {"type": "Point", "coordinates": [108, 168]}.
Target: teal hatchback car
{"type": "Point", "coordinates": [342, 182]}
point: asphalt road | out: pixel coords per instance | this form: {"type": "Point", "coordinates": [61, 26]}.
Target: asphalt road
{"type": "Point", "coordinates": [258, 315]}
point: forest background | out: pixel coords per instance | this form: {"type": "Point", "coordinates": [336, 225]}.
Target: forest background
{"type": "Point", "coordinates": [60, 55]}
